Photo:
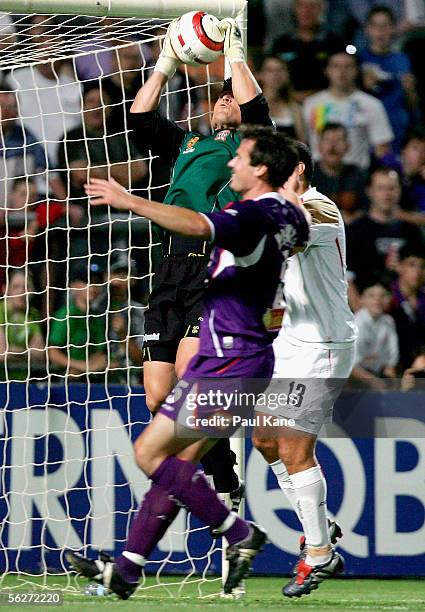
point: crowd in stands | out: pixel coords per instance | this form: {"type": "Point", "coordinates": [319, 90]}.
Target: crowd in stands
{"type": "Point", "coordinates": [344, 77]}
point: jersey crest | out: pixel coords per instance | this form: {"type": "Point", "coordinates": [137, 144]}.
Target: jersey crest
{"type": "Point", "coordinates": [222, 135]}
{"type": "Point", "coordinates": [190, 146]}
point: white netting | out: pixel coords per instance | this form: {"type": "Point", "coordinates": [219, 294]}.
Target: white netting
{"type": "Point", "coordinates": [74, 286]}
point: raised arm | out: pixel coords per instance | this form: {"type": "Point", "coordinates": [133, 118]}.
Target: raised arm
{"type": "Point", "coordinates": [148, 96]}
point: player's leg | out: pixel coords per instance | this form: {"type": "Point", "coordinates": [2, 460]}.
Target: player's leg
{"type": "Point", "coordinates": [220, 460]}
{"type": "Point", "coordinates": [324, 372]}
{"type": "Point", "coordinates": [163, 329]}
{"type": "Point", "coordinates": [158, 380]}
{"type": "Point", "coordinates": [156, 451]}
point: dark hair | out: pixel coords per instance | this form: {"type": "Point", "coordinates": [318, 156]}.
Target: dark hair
{"type": "Point", "coordinates": [410, 251]}
{"type": "Point", "coordinates": [331, 126]}
{"type": "Point", "coordinates": [353, 56]}
{"type": "Point", "coordinates": [416, 133]}
{"type": "Point", "coordinates": [374, 280]}
{"type": "Point", "coordinates": [227, 87]}
{"type": "Point", "coordinates": [274, 150]}
{"type": "Point", "coordinates": [286, 91]}
{"type": "Point", "coordinates": [381, 9]}
{"type": "Point", "coordinates": [305, 156]}
{"type": "Point", "coordinates": [383, 170]}
{"type": "Point", "coordinates": [5, 88]}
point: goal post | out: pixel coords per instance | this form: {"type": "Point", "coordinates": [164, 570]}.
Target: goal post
{"type": "Point", "coordinates": [67, 476]}
{"type": "Point", "coordinates": [125, 8]}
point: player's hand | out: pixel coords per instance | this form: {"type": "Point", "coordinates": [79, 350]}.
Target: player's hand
{"type": "Point", "coordinates": [233, 47]}
{"type": "Point", "coordinates": [168, 61]}
{"type": "Point", "coordinates": [108, 192]}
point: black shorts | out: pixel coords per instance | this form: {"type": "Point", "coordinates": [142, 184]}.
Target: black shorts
{"type": "Point", "coordinates": [175, 306]}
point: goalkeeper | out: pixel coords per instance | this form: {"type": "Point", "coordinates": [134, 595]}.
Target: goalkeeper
{"type": "Point", "coordinates": [200, 181]}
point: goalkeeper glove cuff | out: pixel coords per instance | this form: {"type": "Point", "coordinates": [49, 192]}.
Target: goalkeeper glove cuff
{"type": "Point", "coordinates": [233, 47]}
{"type": "Point", "coordinates": [166, 65]}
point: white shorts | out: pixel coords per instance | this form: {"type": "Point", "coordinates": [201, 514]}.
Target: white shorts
{"type": "Point", "coordinates": [312, 378]}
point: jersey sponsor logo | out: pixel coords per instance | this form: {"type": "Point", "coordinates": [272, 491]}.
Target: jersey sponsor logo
{"type": "Point", "coordinates": [190, 146]}
{"type": "Point", "coordinates": [147, 337]}
{"type": "Point", "coordinates": [222, 135]}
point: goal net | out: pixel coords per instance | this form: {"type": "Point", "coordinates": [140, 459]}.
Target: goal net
{"type": "Point", "coordinates": [74, 283]}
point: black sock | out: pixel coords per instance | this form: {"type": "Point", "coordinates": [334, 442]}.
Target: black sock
{"type": "Point", "coordinates": [219, 463]}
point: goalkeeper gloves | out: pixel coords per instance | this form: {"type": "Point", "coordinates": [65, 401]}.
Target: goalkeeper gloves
{"type": "Point", "coordinates": [168, 61]}
{"type": "Point", "coordinates": [233, 47]}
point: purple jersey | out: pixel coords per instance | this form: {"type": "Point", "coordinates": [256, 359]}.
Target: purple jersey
{"type": "Point", "coordinates": [252, 239]}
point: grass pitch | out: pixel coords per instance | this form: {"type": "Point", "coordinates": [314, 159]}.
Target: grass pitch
{"type": "Point", "coordinates": [262, 594]}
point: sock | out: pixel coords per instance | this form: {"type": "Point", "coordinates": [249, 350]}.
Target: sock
{"type": "Point", "coordinates": [285, 483]}
{"type": "Point", "coordinates": [219, 462]}
{"type": "Point", "coordinates": [155, 515]}
{"type": "Point", "coordinates": [310, 492]}
{"type": "Point", "coordinates": [188, 485]}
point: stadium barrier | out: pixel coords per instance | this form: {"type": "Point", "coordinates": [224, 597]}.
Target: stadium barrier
{"type": "Point", "coordinates": [67, 461]}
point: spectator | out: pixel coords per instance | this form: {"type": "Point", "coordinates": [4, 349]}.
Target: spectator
{"type": "Point", "coordinates": [48, 92]}
{"type": "Point", "coordinates": [308, 48]}
{"type": "Point", "coordinates": [376, 347]}
{"type": "Point", "coordinates": [77, 338]}
{"type": "Point", "coordinates": [361, 8]}
{"type": "Point", "coordinates": [21, 339]}
{"type": "Point", "coordinates": [411, 168]}
{"type": "Point", "coordinates": [285, 111]}
{"type": "Point", "coordinates": [125, 322]}
{"type": "Point", "coordinates": [408, 304]}
{"type": "Point", "coordinates": [95, 149]}
{"type": "Point", "coordinates": [27, 221]}
{"type": "Point", "coordinates": [387, 74]}
{"type": "Point", "coordinates": [374, 241]}
{"type": "Point", "coordinates": [344, 183]}
{"type": "Point", "coordinates": [20, 153]}
{"type": "Point", "coordinates": [363, 115]}
{"type": "Point", "coordinates": [416, 370]}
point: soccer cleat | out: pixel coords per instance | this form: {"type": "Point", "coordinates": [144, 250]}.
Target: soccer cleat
{"type": "Point", "coordinates": [103, 571]}
{"type": "Point", "coordinates": [309, 577]}
{"type": "Point", "coordinates": [241, 555]}
{"type": "Point", "coordinates": [236, 496]}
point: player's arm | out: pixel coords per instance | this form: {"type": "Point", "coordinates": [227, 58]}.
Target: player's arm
{"type": "Point", "coordinates": [148, 97]}
{"type": "Point", "coordinates": [172, 218]}
{"type": "Point", "coordinates": [161, 135]}
{"type": "Point", "coordinates": [246, 90]}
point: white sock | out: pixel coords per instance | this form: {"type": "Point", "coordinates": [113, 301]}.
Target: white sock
{"type": "Point", "coordinates": [310, 493]}
{"type": "Point", "coordinates": [285, 483]}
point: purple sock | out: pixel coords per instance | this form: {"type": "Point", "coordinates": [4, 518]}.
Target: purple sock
{"type": "Point", "coordinates": [155, 515]}
{"type": "Point", "coordinates": [187, 484]}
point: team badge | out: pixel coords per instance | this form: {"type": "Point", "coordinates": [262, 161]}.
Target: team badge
{"type": "Point", "coordinates": [191, 145]}
{"type": "Point", "coordinates": [222, 135]}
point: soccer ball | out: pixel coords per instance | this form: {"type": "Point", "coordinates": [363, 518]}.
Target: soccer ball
{"type": "Point", "coordinates": [197, 38]}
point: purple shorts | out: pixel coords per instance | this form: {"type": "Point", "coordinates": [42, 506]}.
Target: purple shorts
{"type": "Point", "coordinates": [215, 393]}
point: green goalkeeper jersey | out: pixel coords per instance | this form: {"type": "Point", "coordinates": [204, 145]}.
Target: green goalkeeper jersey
{"type": "Point", "coordinates": [200, 175]}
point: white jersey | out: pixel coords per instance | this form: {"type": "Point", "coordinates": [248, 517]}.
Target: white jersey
{"type": "Point", "coordinates": [317, 310]}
